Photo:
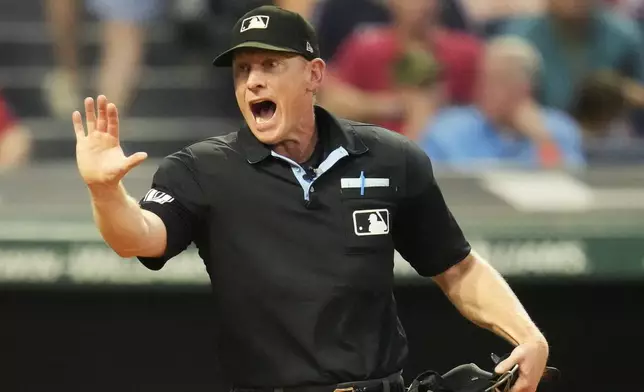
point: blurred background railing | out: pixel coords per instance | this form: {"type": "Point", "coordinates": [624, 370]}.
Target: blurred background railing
{"type": "Point", "coordinates": [531, 112]}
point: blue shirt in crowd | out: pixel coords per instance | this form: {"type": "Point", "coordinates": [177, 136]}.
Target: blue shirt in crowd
{"type": "Point", "coordinates": [463, 138]}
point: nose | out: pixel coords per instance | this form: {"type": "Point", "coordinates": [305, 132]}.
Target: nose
{"type": "Point", "coordinates": [256, 80]}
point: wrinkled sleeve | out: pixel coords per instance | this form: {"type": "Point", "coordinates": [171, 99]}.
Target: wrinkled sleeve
{"type": "Point", "coordinates": [177, 198]}
{"type": "Point", "coordinates": [426, 233]}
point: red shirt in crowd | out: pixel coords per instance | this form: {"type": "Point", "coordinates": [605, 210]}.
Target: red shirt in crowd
{"type": "Point", "coordinates": [6, 118]}
{"type": "Point", "coordinates": [366, 59]}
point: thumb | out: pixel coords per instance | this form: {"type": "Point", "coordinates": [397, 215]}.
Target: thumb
{"type": "Point", "coordinates": [134, 160]}
{"type": "Point", "coordinates": [506, 364]}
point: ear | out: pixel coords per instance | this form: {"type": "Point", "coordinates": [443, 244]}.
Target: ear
{"type": "Point", "coordinates": [316, 74]}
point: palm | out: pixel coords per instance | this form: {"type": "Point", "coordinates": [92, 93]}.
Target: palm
{"type": "Point", "coordinates": [99, 155]}
{"type": "Point", "coordinates": [100, 158]}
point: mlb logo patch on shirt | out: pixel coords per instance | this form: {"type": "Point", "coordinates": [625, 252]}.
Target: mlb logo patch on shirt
{"type": "Point", "coordinates": [371, 222]}
{"type": "Point", "coordinates": [255, 22]}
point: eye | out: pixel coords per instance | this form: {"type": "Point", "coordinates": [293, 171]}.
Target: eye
{"type": "Point", "coordinates": [271, 64]}
{"type": "Point", "coordinates": [242, 68]}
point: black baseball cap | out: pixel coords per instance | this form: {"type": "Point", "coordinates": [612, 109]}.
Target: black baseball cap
{"type": "Point", "coordinates": [272, 28]}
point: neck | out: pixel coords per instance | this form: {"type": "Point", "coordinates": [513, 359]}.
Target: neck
{"type": "Point", "coordinates": [301, 141]}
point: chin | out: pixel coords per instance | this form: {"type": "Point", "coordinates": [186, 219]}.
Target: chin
{"type": "Point", "coordinates": [269, 136]}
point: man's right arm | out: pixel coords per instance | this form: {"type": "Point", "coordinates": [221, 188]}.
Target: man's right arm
{"type": "Point", "coordinates": [163, 224]}
{"type": "Point", "coordinates": [127, 228]}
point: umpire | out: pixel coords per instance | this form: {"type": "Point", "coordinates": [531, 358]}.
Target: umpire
{"type": "Point", "coordinates": [296, 217]}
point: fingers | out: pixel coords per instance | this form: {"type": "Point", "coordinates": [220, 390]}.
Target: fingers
{"type": "Point", "coordinates": [101, 123]}
{"type": "Point", "coordinates": [77, 120]}
{"type": "Point", "coordinates": [90, 115]}
{"type": "Point", "coordinates": [135, 160]}
{"type": "Point", "coordinates": [112, 120]}
{"type": "Point", "coordinates": [506, 365]}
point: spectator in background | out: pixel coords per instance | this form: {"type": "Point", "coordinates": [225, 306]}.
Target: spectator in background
{"type": "Point", "coordinates": [302, 7]}
{"type": "Point", "coordinates": [336, 20]}
{"type": "Point", "coordinates": [580, 41]}
{"type": "Point", "coordinates": [15, 141]}
{"type": "Point", "coordinates": [487, 16]}
{"type": "Point", "coordinates": [632, 9]}
{"type": "Point", "coordinates": [367, 82]}
{"type": "Point", "coordinates": [629, 8]}
{"type": "Point", "coordinates": [123, 39]}
{"type": "Point", "coordinates": [505, 125]}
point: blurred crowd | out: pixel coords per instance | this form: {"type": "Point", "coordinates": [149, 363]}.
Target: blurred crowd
{"type": "Point", "coordinates": [531, 83]}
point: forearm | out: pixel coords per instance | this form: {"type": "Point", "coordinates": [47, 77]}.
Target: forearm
{"type": "Point", "coordinates": [125, 227]}
{"type": "Point", "coordinates": [529, 121]}
{"type": "Point", "coordinates": [349, 102]}
{"type": "Point", "coordinates": [481, 294]}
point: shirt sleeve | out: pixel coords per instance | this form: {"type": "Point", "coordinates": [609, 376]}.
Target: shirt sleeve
{"type": "Point", "coordinates": [177, 198]}
{"type": "Point", "coordinates": [425, 231]}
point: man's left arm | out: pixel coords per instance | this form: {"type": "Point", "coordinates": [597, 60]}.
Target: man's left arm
{"type": "Point", "coordinates": [481, 295]}
{"type": "Point", "coordinates": [427, 235]}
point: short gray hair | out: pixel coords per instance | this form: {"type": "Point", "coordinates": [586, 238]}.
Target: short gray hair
{"type": "Point", "coordinates": [525, 56]}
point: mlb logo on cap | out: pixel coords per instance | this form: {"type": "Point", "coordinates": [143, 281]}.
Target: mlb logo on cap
{"type": "Point", "coordinates": [254, 22]}
{"type": "Point", "coordinates": [289, 33]}
{"type": "Point", "coordinates": [371, 222]}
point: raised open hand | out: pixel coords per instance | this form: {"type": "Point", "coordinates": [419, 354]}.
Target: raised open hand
{"type": "Point", "coordinates": [99, 155]}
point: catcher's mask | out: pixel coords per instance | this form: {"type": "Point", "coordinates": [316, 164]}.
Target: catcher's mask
{"type": "Point", "coordinates": [471, 378]}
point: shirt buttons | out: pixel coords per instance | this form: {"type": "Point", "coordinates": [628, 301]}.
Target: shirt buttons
{"type": "Point", "coordinates": [312, 189]}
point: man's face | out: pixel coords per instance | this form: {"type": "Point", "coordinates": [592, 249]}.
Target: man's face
{"type": "Point", "coordinates": [571, 9]}
{"type": "Point", "coordinates": [414, 13]}
{"type": "Point", "coordinates": [501, 87]}
{"type": "Point", "coordinates": [274, 91]}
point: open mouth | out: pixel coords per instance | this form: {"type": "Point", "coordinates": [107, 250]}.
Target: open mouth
{"type": "Point", "coordinates": [263, 110]}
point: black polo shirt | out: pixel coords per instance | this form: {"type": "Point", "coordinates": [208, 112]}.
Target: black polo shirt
{"type": "Point", "coordinates": [302, 270]}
